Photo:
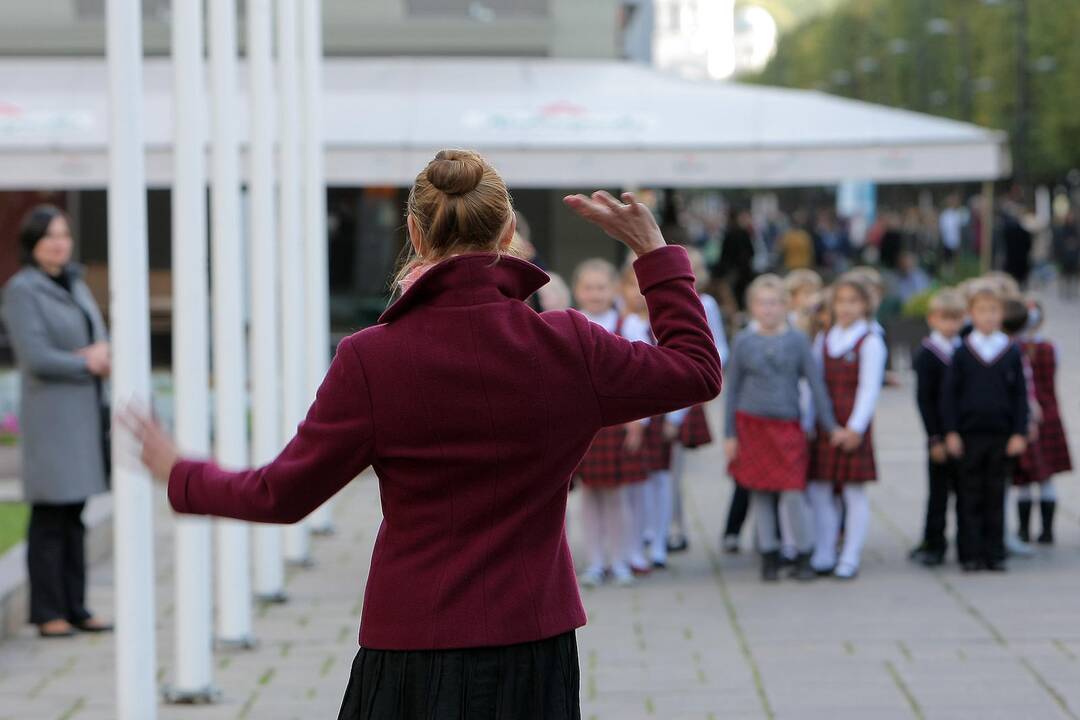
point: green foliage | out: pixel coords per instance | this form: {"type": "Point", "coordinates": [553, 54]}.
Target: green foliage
{"type": "Point", "coordinates": [13, 520]}
{"type": "Point", "coordinates": [884, 51]}
{"type": "Point", "coordinates": [918, 306]}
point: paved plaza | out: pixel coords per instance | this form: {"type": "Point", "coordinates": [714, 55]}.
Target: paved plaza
{"type": "Point", "coordinates": [703, 640]}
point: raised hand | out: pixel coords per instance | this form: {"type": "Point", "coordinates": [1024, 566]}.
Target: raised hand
{"type": "Point", "coordinates": [158, 453]}
{"type": "Point", "coordinates": [629, 221]}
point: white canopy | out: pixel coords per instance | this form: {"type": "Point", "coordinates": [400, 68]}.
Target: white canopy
{"type": "Point", "coordinates": [543, 123]}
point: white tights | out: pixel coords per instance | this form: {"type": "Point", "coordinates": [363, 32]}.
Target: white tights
{"type": "Point", "coordinates": [658, 500]}
{"type": "Point", "coordinates": [605, 518]}
{"type": "Point", "coordinates": [826, 507]}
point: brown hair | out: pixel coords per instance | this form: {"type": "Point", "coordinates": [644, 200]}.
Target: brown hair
{"type": "Point", "coordinates": [857, 282]}
{"type": "Point", "coordinates": [948, 302]}
{"type": "Point", "coordinates": [459, 204]}
{"type": "Point", "coordinates": [802, 279]}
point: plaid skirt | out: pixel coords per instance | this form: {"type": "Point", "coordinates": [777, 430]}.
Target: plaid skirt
{"type": "Point", "coordinates": [695, 428]}
{"type": "Point", "coordinates": [1030, 468]}
{"type": "Point", "coordinates": [1054, 446]}
{"type": "Point", "coordinates": [773, 454]}
{"type": "Point", "coordinates": [655, 450]}
{"type": "Point", "coordinates": [607, 464]}
{"type": "Point", "coordinates": [832, 464]}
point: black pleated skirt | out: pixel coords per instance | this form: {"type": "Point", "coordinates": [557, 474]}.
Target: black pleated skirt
{"type": "Point", "coordinates": [530, 681]}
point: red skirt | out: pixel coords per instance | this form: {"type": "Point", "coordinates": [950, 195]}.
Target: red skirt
{"type": "Point", "coordinates": [695, 428]}
{"type": "Point", "coordinates": [1053, 445]}
{"type": "Point", "coordinates": [832, 464]}
{"type": "Point", "coordinates": [655, 450]}
{"type": "Point", "coordinates": [607, 464]}
{"type": "Point", "coordinates": [1030, 468]}
{"type": "Point", "coordinates": [772, 456]}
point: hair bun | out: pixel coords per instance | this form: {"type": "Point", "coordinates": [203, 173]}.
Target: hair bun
{"type": "Point", "coordinates": [455, 172]}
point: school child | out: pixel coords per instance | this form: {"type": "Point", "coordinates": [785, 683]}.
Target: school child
{"type": "Point", "coordinates": [985, 414]}
{"type": "Point", "coordinates": [613, 462]}
{"type": "Point", "coordinates": [650, 499]}
{"type": "Point", "coordinates": [1029, 468]}
{"type": "Point", "coordinates": [694, 432]}
{"type": "Point", "coordinates": [853, 357]}
{"type": "Point", "coordinates": [803, 287]}
{"type": "Point", "coordinates": [1051, 440]}
{"type": "Point", "coordinates": [945, 318]}
{"type": "Point", "coordinates": [765, 444]}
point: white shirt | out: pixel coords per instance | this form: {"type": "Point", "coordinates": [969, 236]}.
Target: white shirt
{"type": "Point", "coordinates": [951, 224]}
{"type": "Point", "coordinates": [840, 341]}
{"type": "Point", "coordinates": [947, 346]}
{"type": "Point", "coordinates": [716, 325]}
{"type": "Point", "coordinates": [988, 347]}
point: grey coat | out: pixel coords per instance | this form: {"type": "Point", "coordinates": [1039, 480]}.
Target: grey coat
{"type": "Point", "coordinates": [60, 410]}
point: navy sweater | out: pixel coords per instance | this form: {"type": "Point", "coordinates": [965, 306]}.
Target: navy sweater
{"type": "Point", "coordinates": [985, 398]}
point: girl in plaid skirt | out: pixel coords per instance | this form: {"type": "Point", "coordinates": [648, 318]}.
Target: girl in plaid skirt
{"type": "Point", "coordinates": [614, 461]}
{"type": "Point", "coordinates": [853, 357]}
{"type": "Point", "coordinates": [1049, 453]}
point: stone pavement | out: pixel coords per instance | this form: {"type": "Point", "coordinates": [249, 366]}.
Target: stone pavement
{"type": "Point", "coordinates": [703, 640]}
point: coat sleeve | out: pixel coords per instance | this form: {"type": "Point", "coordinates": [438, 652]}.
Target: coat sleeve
{"type": "Point", "coordinates": [30, 340]}
{"type": "Point", "coordinates": [333, 445]}
{"type": "Point", "coordinates": [633, 380]}
{"type": "Point", "coordinates": [950, 391]}
{"type": "Point", "coordinates": [927, 397]}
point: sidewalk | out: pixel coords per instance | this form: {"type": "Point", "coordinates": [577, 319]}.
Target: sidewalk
{"type": "Point", "coordinates": [703, 640]}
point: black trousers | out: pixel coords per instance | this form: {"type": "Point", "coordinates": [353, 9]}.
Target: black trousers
{"type": "Point", "coordinates": [984, 470]}
{"type": "Point", "coordinates": [944, 481]}
{"type": "Point", "coordinates": [56, 560]}
{"type": "Point", "coordinates": [528, 681]}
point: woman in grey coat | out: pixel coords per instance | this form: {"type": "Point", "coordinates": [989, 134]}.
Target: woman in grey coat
{"type": "Point", "coordinates": [61, 350]}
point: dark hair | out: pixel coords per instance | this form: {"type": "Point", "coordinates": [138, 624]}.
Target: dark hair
{"type": "Point", "coordinates": [34, 227]}
{"type": "Point", "coordinates": [1015, 316]}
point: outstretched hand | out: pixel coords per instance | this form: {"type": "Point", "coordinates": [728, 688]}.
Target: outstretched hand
{"type": "Point", "coordinates": [158, 452]}
{"type": "Point", "coordinates": [629, 221]}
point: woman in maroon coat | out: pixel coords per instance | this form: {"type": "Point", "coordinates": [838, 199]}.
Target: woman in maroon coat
{"type": "Point", "coordinates": [473, 410]}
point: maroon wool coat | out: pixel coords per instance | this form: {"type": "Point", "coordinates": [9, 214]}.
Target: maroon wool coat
{"type": "Point", "coordinates": [473, 410]}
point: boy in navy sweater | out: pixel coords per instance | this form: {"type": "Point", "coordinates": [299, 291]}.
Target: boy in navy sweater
{"type": "Point", "coordinates": [931, 362]}
{"type": "Point", "coordinates": [985, 412]}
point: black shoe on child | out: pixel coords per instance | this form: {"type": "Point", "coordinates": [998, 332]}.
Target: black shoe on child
{"type": "Point", "coordinates": [970, 566]}
{"type": "Point", "coordinates": [677, 543]}
{"type": "Point", "coordinates": [770, 566]}
{"type": "Point", "coordinates": [1046, 510]}
{"type": "Point", "coordinates": [1023, 517]}
{"type": "Point", "coordinates": [996, 566]}
{"type": "Point", "coordinates": [801, 570]}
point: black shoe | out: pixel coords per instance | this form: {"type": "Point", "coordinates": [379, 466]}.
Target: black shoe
{"type": "Point", "coordinates": [824, 572]}
{"type": "Point", "coordinates": [659, 565]}
{"type": "Point", "coordinates": [917, 552]}
{"type": "Point", "coordinates": [970, 566]}
{"type": "Point", "coordinates": [1046, 510]}
{"type": "Point", "coordinates": [932, 559]}
{"type": "Point", "coordinates": [677, 544]}
{"type": "Point", "coordinates": [770, 566]}
{"type": "Point", "coordinates": [730, 544]}
{"type": "Point", "coordinates": [996, 566]}
{"type": "Point", "coordinates": [1023, 516]}
{"type": "Point", "coordinates": [801, 570]}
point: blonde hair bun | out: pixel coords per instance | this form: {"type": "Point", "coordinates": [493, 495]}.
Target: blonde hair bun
{"type": "Point", "coordinates": [455, 172]}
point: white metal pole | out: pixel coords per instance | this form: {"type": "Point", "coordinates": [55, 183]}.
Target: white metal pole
{"type": "Point", "coordinates": [230, 408]}
{"type": "Point", "coordinates": [316, 279]}
{"type": "Point", "coordinates": [129, 314]}
{"type": "Point", "coordinates": [263, 341]}
{"type": "Point", "coordinates": [297, 541]}
{"type": "Point", "coordinates": [193, 681]}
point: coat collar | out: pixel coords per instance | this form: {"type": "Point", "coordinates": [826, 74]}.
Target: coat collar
{"type": "Point", "coordinates": [39, 277]}
{"type": "Point", "coordinates": [470, 279]}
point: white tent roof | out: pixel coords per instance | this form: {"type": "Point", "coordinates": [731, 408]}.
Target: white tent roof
{"type": "Point", "coordinates": [543, 123]}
